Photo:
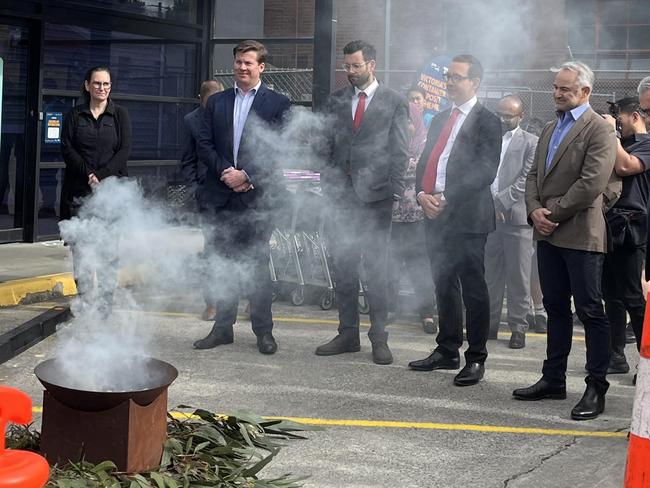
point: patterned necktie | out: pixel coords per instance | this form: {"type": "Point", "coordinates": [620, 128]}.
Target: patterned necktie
{"type": "Point", "coordinates": [431, 170]}
{"type": "Point", "coordinates": [361, 108]}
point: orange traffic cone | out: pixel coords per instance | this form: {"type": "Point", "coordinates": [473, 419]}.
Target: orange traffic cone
{"type": "Point", "coordinates": [637, 472]}
{"type": "Point", "coordinates": [19, 469]}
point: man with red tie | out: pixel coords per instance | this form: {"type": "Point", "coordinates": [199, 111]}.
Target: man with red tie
{"type": "Point", "coordinates": [365, 160]}
{"type": "Point", "coordinates": [453, 181]}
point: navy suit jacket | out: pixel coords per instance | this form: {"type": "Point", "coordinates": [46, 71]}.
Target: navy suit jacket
{"type": "Point", "coordinates": [471, 168]}
{"type": "Point", "coordinates": [192, 169]}
{"type": "Point", "coordinates": [215, 149]}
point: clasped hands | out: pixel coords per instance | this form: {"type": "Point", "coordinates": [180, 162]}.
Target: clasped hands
{"type": "Point", "coordinates": [541, 223]}
{"type": "Point", "coordinates": [432, 205]}
{"type": "Point", "coordinates": [237, 180]}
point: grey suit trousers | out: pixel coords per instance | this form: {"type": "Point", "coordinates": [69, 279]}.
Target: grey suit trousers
{"type": "Point", "coordinates": [508, 252]}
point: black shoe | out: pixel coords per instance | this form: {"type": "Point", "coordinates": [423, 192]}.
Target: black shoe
{"type": "Point", "coordinates": [435, 361]}
{"type": "Point", "coordinates": [540, 324]}
{"type": "Point", "coordinates": [266, 343]}
{"type": "Point", "coordinates": [630, 337]}
{"type": "Point", "coordinates": [517, 340]}
{"type": "Point", "coordinates": [590, 406]}
{"type": "Point", "coordinates": [216, 337]}
{"type": "Point", "coordinates": [471, 374]}
{"type": "Point", "coordinates": [342, 343]}
{"type": "Point", "coordinates": [429, 326]}
{"type": "Point", "coordinates": [618, 364]}
{"type": "Point", "coordinates": [380, 353]}
{"type": "Point", "coordinates": [540, 391]}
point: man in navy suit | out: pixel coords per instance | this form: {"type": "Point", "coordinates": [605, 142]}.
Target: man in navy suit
{"type": "Point", "coordinates": [243, 189]}
{"type": "Point", "coordinates": [194, 172]}
{"type": "Point", "coordinates": [453, 180]}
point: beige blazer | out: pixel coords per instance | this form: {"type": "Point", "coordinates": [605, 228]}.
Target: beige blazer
{"type": "Point", "coordinates": [572, 188]}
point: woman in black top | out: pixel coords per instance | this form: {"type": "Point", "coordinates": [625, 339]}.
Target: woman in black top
{"type": "Point", "coordinates": [96, 142]}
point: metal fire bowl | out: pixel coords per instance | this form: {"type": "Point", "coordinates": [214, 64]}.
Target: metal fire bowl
{"type": "Point", "coordinates": [159, 373]}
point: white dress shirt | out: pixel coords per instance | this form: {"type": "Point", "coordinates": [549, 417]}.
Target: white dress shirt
{"type": "Point", "coordinates": [243, 103]}
{"type": "Point", "coordinates": [441, 175]}
{"type": "Point", "coordinates": [505, 143]}
{"type": "Point", "coordinates": [369, 91]}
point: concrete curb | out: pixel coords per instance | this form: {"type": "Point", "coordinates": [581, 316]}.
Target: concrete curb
{"type": "Point", "coordinates": [17, 291]}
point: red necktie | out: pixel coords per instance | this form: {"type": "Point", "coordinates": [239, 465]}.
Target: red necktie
{"type": "Point", "coordinates": [361, 108]}
{"type": "Point", "coordinates": [431, 170]}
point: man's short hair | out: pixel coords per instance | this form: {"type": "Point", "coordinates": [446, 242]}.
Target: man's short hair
{"type": "Point", "coordinates": [629, 105]}
{"type": "Point", "coordinates": [585, 75]}
{"type": "Point", "coordinates": [644, 86]}
{"type": "Point", "coordinates": [368, 50]}
{"type": "Point", "coordinates": [475, 66]}
{"type": "Point", "coordinates": [206, 87]}
{"type": "Point", "coordinates": [251, 45]}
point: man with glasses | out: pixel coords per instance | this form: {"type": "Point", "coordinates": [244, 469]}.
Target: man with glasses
{"type": "Point", "coordinates": [453, 180]}
{"type": "Point", "coordinates": [628, 225]}
{"type": "Point", "coordinates": [644, 99]}
{"type": "Point", "coordinates": [509, 248]}
{"type": "Point", "coordinates": [365, 160]}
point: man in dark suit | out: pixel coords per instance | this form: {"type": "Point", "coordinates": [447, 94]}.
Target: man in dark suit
{"type": "Point", "coordinates": [365, 162]}
{"type": "Point", "coordinates": [453, 187]}
{"type": "Point", "coordinates": [564, 199]}
{"type": "Point", "coordinates": [194, 173]}
{"type": "Point", "coordinates": [243, 189]}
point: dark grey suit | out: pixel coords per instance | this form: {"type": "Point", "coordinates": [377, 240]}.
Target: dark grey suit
{"type": "Point", "coordinates": [192, 169]}
{"type": "Point", "coordinates": [509, 248]}
{"type": "Point", "coordinates": [363, 173]}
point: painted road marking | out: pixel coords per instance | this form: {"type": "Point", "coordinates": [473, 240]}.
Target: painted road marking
{"type": "Point", "coordinates": [393, 424]}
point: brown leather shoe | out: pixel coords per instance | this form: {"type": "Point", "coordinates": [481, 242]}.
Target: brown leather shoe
{"type": "Point", "coordinates": [209, 313]}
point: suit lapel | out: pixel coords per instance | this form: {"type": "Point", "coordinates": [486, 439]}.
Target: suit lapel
{"type": "Point", "coordinates": [467, 127]}
{"type": "Point", "coordinates": [579, 125]}
{"type": "Point", "coordinates": [543, 144]}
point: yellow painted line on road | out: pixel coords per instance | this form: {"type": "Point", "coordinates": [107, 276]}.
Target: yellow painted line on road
{"type": "Point", "coordinates": [394, 424]}
{"type": "Point", "coordinates": [14, 291]}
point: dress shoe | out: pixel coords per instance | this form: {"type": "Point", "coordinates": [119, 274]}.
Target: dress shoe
{"type": "Point", "coordinates": [630, 337]}
{"type": "Point", "coordinates": [216, 337]}
{"type": "Point", "coordinates": [540, 324]}
{"type": "Point", "coordinates": [618, 364]}
{"type": "Point", "coordinates": [517, 340]}
{"type": "Point", "coordinates": [435, 361]}
{"type": "Point", "coordinates": [380, 353]}
{"type": "Point", "coordinates": [342, 343]}
{"type": "Point", "coordinates": [540, 391]}
{"type": "Point", "coordinates": [471, 374]}
{"type": "Point", "coordinates": [209, 313]}
{"type": "Point", "coordinates": [429, 326]}
{"type": "Point", "coordinates": [266, 343]}
{"type": "Point", "coordinates": [590, 406]}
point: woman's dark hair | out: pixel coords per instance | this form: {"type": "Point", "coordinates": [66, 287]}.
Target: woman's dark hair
{"type": "Point", "coordinates": [89, 74]}
{"type": "Point", "coordinates": [417, 88]}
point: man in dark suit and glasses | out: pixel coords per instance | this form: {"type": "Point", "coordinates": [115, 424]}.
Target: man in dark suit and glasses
{"type": "Point", "coordinates": [243, 189]}
{"type": "Point", "coordinates": [564, 200]}
{"type": "Point", "coordinates": [453, 181]}
{"type": "Point", "coordinates": [365, 161]}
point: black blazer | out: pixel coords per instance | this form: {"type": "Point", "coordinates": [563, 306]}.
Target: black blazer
{"type": "Point", "coordinates": [192, 169]}
{"type": "Point", "coordinates": [256, 154]}
{"type": "Point", "coordinates": [376, 156]}
{"type": "Point", "coordinates": [471, 169]}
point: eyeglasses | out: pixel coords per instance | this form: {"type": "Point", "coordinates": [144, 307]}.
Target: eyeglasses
{"type": "Point", "coordinates": [504, 116]}
{"type": "Point", "coordinates": [455, 78]}
{"type": "Point", "coordinates": [99, 84]}
{"type": "Point", "coordinates": [644, 112]}
{"type": "Point", "coordinates": [353, 67]}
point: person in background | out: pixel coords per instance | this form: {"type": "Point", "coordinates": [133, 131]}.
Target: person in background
{"type": "Point", "coordinates": [564, 200]}
{"type": "Point", "coordinates": [417, 96]}
{"type": "Point", "coordinates": [407, 243]}
{"type": "Point", "coordinates": [508, 249]}
{"type": "Point", "coordinates": [96, 143]}
{"type": "Point", "coordinates": [628, 226]}
{"type": "Point", "coordinates": [194, 172]}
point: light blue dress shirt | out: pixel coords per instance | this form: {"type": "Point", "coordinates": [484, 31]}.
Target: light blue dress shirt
{"type": "Point", "coordinates": [243, 103]}
{"type": "Point", "coordinates": [565, 120]}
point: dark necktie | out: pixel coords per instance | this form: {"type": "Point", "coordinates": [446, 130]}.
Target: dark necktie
{"type": "Point", "coordinates": [361, 108]}
{"type": "Point", "coordinates": [431, 170]}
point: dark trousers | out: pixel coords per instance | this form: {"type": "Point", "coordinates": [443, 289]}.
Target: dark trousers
{"type": "Point", "coordinates": [239, 258]}
{"type": "Point", "coordinates": [359, 231]}
{"type": "Point", "coordinates": [205, 274]}
{"type": "Point", "coordinates": [623, 293]}
{"type": "Point", "coordinates": [457, 267]}
{"type": "Point", "coordinates": [408, 257]}
{"type": "Point", "coordinates": [564, 273]}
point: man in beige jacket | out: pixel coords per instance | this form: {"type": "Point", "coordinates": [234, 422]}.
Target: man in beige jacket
{"type": "Point", "coordinates": [564, 200]}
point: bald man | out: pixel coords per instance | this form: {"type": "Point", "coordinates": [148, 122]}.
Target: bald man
{"type": "Point", "coordinates": [508, 249]}
{"type": "Point", "coordinates": [194, 170]}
